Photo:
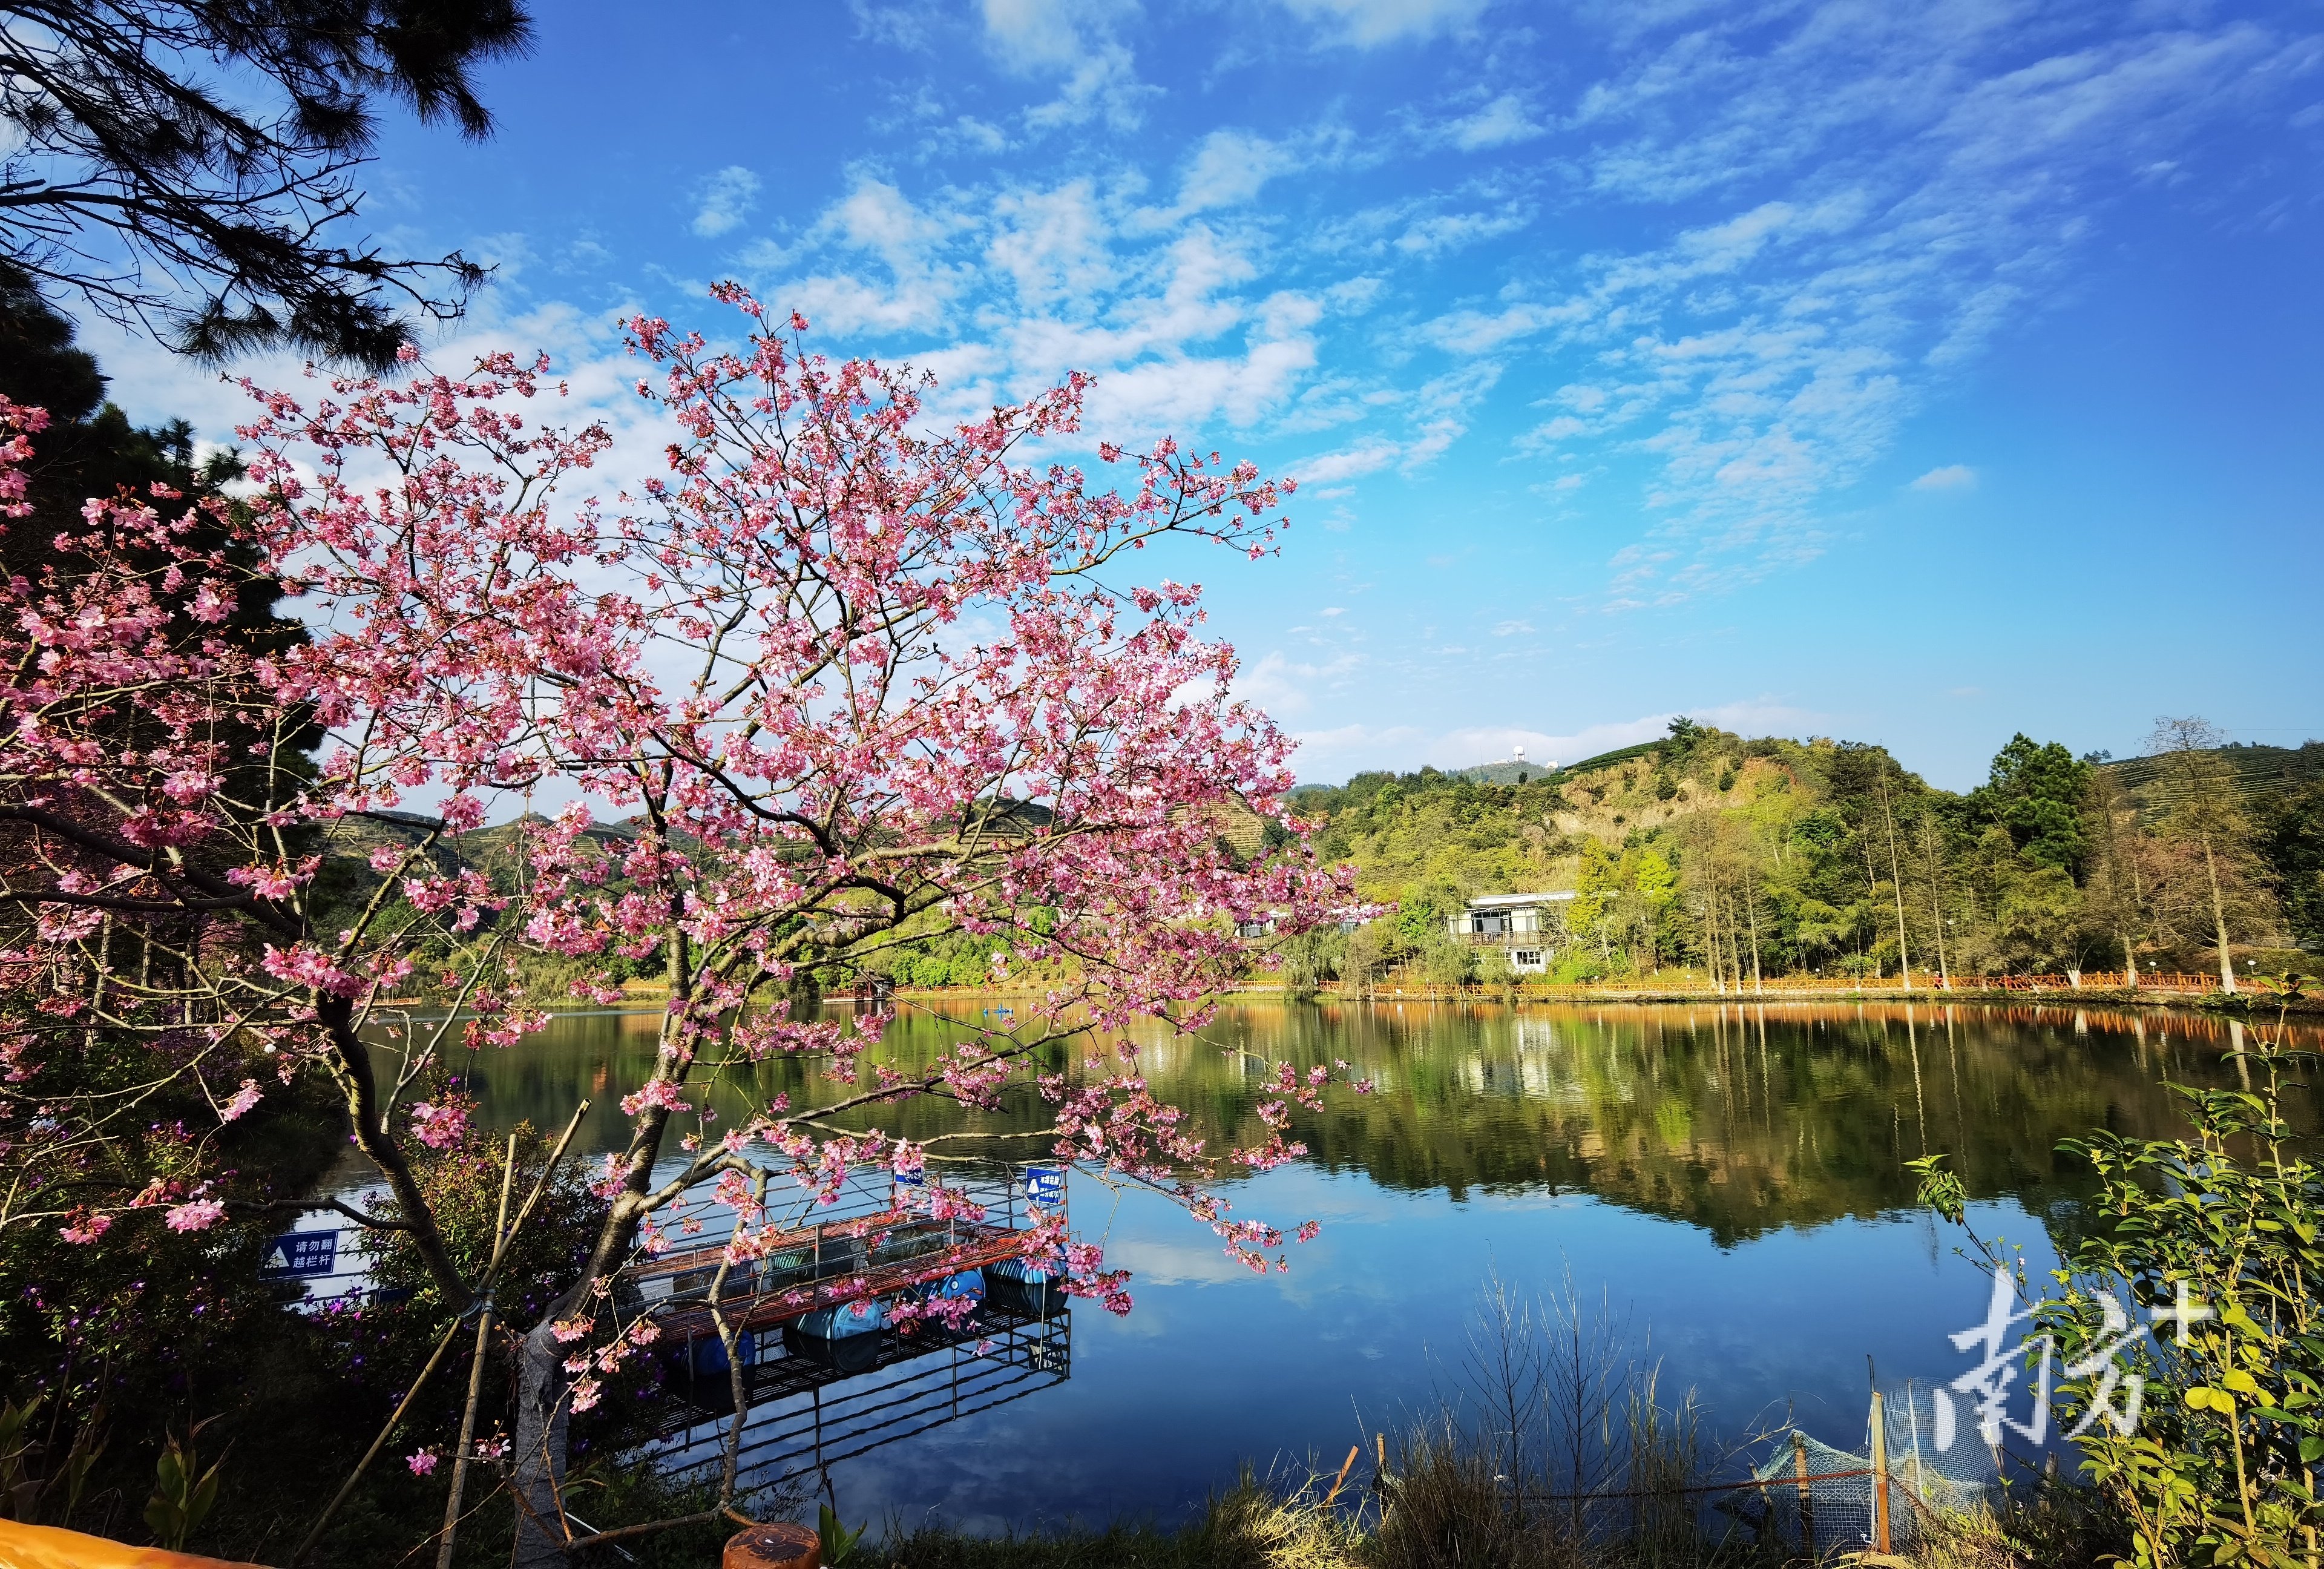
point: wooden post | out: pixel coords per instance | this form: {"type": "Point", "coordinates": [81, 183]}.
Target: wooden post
{"type": "Point", "coordinates": [1879, 1477]}
{"type": "Point", "coordinates": [1807, 1495]}
{"type": "Point", "coordinates": [781, 1545]}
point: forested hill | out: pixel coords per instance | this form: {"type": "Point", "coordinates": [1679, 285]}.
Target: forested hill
{"type": "Point", "coordinates": [1820, 854]}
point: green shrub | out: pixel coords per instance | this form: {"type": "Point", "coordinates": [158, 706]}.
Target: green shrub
{"type": "Point", "coordinates": [2220, 1466]}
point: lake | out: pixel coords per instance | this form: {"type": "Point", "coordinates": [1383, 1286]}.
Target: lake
{"type": "Point", "coordinates": [1729, 1179]}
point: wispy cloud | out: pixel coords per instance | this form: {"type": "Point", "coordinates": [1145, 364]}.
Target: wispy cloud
{"type": "Point", "coordinates": [1951, 476]}
{"type": "Point", "coordinates": [1077, 44]}
{"type": "Point", "coordinates": [1369, 23]}
{"type": "Point", "coordinates": [1503, 120]}
{"type": "Point", "coordinates": [1373, 454]}
{"type": "Point", "coordinates": [1932, 172]}
{"type": "Point", "coordinates": [727, 198]}
{"type": "Point", "coordinates": [876, 222]}
{"type": "Point", "coordinates": [1287, 687]}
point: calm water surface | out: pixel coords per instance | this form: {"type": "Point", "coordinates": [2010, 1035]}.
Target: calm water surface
{"type": "Point", "coordinates": [1730, 1178]}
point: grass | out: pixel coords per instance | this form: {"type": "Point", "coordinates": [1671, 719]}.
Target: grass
{"type": "Point", "coordinates": [1555, 1450]}
{"type": "Point", "coordinates": [1449, 1509]}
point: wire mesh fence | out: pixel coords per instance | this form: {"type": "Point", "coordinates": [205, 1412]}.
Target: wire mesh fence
{"type": "Point", "coordinates": [1824, 1500]}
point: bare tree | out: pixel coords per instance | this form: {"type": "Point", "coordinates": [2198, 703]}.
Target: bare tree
{"type": "Point", "coordinates": [2205, 814]}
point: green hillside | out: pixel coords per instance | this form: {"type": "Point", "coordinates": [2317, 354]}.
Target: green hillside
{"type": "Point", "coordinates": [1706, 848]}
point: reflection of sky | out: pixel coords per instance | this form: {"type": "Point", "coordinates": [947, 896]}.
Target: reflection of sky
{"type": "Point", "coordinates": [1370, 1327]}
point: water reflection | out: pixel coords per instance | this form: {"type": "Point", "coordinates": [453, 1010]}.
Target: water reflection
{"type": "Point", "coordinates": [1731, 1175]}
{"type": "Point", "coordinates": [1736, 1118]}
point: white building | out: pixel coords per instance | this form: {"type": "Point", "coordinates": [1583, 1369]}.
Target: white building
{"type": "Point", "coordinates": [1530, 925]}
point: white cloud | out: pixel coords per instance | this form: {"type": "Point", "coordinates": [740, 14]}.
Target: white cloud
{"type": "Point", "coordinates": [1373, 454]}
{"type": "Point", "coordinates": [1076, 41]}
{"type": "Point", "coordinates": [1472, 332]}
{"type": "Point", "coordinates": [1441, 409]}
{"type": "Point", "coordinates": [875, 219]}
{"type": "Point", "coordinates": [980, 135]}
{"type": "Point", "coordinates": [1951, 476]}
{"type": "Point", "coordinates": [1810, 219]}
{"type": "Point", "coordinates": [1052, 243]}
{"type": "Point", "coordinates": [1034, 35]}
{"type": "Point", "coordinates": [1229, 169]}
{"type": "Point", "coordinates": [1498, 123]}
{"type": "Point", "coordinates": [1367, 22]}
{"type": "Point", "coordinates": [1429, 236]}
{"type": "Point", "coordinates": [1285, 686]}
{"type": "Point", "coordinates": [727, 198]}
{"type": "Point", "coordinates": [1329, 756]}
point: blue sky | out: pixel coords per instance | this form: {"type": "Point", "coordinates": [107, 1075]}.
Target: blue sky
{"type": "Point", "coordinates": [1911, 373]}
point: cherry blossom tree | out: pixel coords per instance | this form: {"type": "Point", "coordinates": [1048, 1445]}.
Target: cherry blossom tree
{"type": "Point", "coordinates": [844, 683]}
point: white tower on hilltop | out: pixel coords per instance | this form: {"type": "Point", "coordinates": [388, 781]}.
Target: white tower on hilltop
{"type": "Point", "coordinates": [1519, 752]}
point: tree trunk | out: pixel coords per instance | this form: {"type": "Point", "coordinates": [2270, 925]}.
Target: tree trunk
{"type": "Point", "coordinates": [543, 1414]}
{"type": "Point", "coordinates": [2125, 907]}
{"type": "Point", "coordinates": [2219, 919]}
{"type": "Point", "coordinates": [1897, 886]}
{"type": "Point", "coordinates": [1936, 901]}
{"type": "Point", "coordinates": [542, 1417]}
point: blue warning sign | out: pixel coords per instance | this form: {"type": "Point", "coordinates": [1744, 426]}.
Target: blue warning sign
{"type": "Point", "coordinates": [295, 1255]}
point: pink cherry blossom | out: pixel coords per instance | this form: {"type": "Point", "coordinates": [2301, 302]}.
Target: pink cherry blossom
{"type": "Point", "coordinates": [200, 1214]}
{"type": "Point", "coordinates": [660, 1093]}
{"type": "Point", "coordinates": [85, 1228]}
{"type": "Point", "coordinates": [439, 1127]}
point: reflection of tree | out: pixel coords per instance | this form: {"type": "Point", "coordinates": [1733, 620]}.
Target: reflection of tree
{"type": "Point", "coordinates": [1738, 1120]}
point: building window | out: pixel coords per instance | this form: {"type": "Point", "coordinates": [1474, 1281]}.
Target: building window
{"type": "Point", "coordinates": [1526, 958]}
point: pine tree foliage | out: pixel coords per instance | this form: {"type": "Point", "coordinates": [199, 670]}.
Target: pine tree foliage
{"type": "Point", "coordinates": [188, 166]}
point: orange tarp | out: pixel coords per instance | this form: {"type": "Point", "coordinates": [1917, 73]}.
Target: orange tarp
{"type": "Point", "coordinates": [47, 1547]}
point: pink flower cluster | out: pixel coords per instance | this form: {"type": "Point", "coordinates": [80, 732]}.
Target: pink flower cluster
{"type": "Point", "coordinates": [440, 1127]}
